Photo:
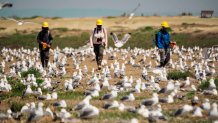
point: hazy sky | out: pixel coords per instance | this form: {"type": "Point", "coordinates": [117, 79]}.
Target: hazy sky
{"type": "Point", "coordinates": [148, 7]}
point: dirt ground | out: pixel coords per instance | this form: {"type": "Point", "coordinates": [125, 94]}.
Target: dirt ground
{"type": "Point", "coordinates": [177, 23]}
{"type": "Point", "coordinates": [168, 109]}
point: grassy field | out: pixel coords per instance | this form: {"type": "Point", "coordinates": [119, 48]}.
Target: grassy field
{"type": "Point", "coordinates": [142, 38]}
{"type": "Point", "coordinates": [74, 32]}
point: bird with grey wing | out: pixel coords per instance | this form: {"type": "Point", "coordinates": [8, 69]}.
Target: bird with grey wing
{"type": "Point", "coordinates": [134, 10]}
{"type": "Point", "coordinates": [119, 43]}
{"type": "Point", "coordinates": [21, 22]}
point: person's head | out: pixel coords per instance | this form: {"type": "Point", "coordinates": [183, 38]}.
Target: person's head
{"type": "Point", "coordinates": [45, 26]}
{"type": "Point", "coordinates": [99, 23]}
{"type": "Point", "coordinates": [164, 25]}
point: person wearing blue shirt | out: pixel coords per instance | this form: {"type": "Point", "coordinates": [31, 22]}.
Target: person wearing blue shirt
{"type": "Point", "coordinates": [163, 44]}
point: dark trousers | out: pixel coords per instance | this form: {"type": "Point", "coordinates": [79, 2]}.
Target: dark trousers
{"type": "Point", "coordinates": [99, 50]}
{"type": "Point", "coordinates": [164, 56]}
{"type": "Point", "coordinates": [44, 55]}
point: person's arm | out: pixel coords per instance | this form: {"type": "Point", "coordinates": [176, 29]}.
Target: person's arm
{"type": "Point", "coordinates": [50, 39]}
{"type": "Point", "coordinates": [38, 40]}
{"type": "Point", "coordinates": [106, 38]}
{"type": "Point", "coordinates": [90, 39]}
{"type": "Point", "coordinates": [159, 39]}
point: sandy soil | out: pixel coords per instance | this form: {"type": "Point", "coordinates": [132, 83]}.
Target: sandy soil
{"type": "Point", "coordinates": [118, 23]}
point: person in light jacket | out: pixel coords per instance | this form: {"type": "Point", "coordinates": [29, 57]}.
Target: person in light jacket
{"type": "Point", "coordinates": [99, 40]}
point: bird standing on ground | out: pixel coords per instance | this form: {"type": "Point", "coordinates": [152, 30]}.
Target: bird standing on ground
{"type": "Point", "coordinates": [152, 101]}
{"type": "Point", "coordinates": [88, 112]}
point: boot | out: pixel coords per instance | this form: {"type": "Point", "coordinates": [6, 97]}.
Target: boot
{"type": "Point", "coordinates": [99, 67]}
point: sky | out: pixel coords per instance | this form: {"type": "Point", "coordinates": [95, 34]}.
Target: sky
{"type": "Point", "coordinates": [84, 8]}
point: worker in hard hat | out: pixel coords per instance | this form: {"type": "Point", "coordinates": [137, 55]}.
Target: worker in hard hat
{"type": "Point", "coordinates": [163, 44]}
{"type": "Point", "coordinates": [44, 39]}
{"type": "Point", "coordinates": [99, 40]}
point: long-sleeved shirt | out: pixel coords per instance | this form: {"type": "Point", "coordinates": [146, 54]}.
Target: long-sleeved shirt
{"type": "Point", "coordinates": [163, 40]}
{"type": "Point", "coordinates": [99, 34]}
{"type": "Point", "coordinates": [44, 37]}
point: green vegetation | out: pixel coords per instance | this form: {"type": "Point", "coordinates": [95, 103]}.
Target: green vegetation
{"type": "Point", "coordinates": [205, 84]}
{"type": "Point", "coordinates": [147, 28]}
{"type": "Point", "coordinates": [54, 18]}
{"type": "Point", "coordinates": [176, 75]}
{"type": "Point", "coordinates": [110, 17]}
{"type": "Point", "coordinates": [190, 95]}
{"type": "Point", "coordinates": [17, 89]}
{"type": "Point", "coordinates": [17, 86]}
{"type": "Point", "coordinates": [39, 81]}
{"type": "Point", "coordinates": [34, 71]}
{"type": "Point", "coordinates": [16, 106]}
{"type": "Point", "coordinates": [61, 29]}
{"type": "Point", "coordinates": [118, 115]}
{"type": "Point", "coordinates": [71, 95]}
{"type": "Point", "coordinates": [141, 38]}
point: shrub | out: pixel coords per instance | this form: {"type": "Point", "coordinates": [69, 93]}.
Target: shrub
{"type": "Point", "coordinates": [18, 88]}
{"type": "Point", "coordinates": [176, 75]}
{"type": "Point", "coordinates": [34, 71]}
{"type": "Point", "coordinates": [71, 95]}
{"type": "Point", "coordinates": [205, 84]}
{"type": "Point", "coordinates": [61, 29]}
{"type": "Point", "coordinates": [110, 17]}
{"type": "Point", "coordinates": [169, 29]}
{"type": "Point", "coordinates": [39, 81]}
{"type": "Point", "coordinates": [147, 28]}
{"type": "Point", "coordinates": [190, 95]}
{"type": "Point", "coordinates": [16, 106]}
{"type": "Point", "coordinates": [54, 18]}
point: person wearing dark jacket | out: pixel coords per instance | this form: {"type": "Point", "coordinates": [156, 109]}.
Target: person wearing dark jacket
{"type": "Point", "coordinates": [44, 40]}
{"type": "Point", "coordinates": [163, 44]}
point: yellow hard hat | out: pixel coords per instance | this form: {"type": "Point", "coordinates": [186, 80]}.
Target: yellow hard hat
{"type": "Point", "coordinates": [99, 22]}
{"type": "Point", "coordinates": [165, 24]}
{"type": "Point", "coordinates": [45, 24]}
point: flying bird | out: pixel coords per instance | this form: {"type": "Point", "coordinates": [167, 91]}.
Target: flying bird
{"type": "Point", "coordinates": [134, 10]}
{"type": "Point", "coordinates": [5, 5]}
{"type": "Point", "coordinates": [21, 22]}
{"type": "Point", "coordinates": [119, 43]}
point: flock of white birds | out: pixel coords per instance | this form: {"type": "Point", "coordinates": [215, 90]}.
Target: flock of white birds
{"type": "Point", "coordinates": [143, 79]}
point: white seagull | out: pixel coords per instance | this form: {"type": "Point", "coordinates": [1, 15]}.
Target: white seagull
{"type": "Point", "coordinates": [110, 105]}
{"type": "Point", "coordinates": [129, 97]}
{"type": "Point", "coordinates": [88, 112]}
{"type": "Point", "coordinates": [206, 104]}
{"type": "Point", "coordinates": [183, 110]}
{"type": "Point", "coordinates": [119, 43]}
{"type": "Point", "coordinates": [20, 22]}
{"type": "Point", "coordinates": [150, 102]}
